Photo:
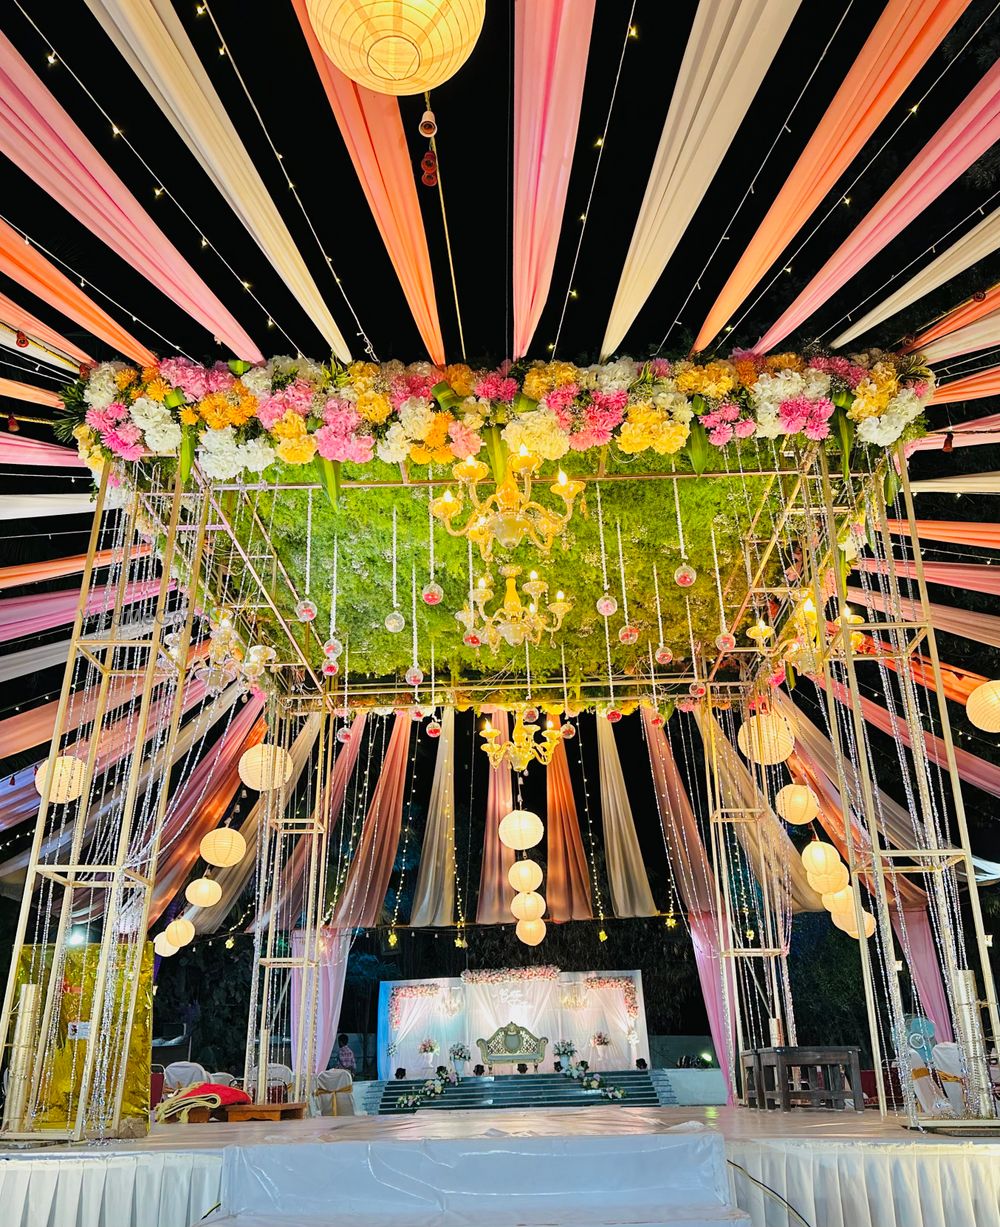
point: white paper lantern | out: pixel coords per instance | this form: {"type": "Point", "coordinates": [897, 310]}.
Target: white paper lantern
{"type": "Point", "coordinates": [841, 900]}
{"type": "Point", "coordinates": [223, 847]}
{"type": "Point", "coordinates": [829, 883]}
{"type": "Point", "coordinates": [67, 779]}
{"type": "Point", "coordinates": [766, 739]}
{"type": "Point", "coordinates": [846, 922]}
{"type": "Point", "coordinates": [163, 947]}
{"type": "Point", "coordinates": [520, 829]}
{"type": "Point", "coordinates": [203, 892]}
{"type": "Point", "coordinates": [525, 876]}
{"type": "Point", "coordinates": [983, 707]}
{"type": "Point", "coordinates": [179, 932]}
{"type": "Point", "coordinates": [398, 46]}
{"type": "Point", "coordinates": [265, 767]}
{"type": "Point", "coordinates": [531, 932]}
{"type": "Point", "coordinates": [819, 857]}
{"type": "Point", "coordinates": [797, 804]}
{"type": "Point", "coordinates": [528, 905]}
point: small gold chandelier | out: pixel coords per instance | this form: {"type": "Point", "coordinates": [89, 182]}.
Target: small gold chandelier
{"type": "Point", "coordinates": [512, 622]}
{"type": "Point", "coordinates": [522, 748]}
{"type": "Point", "coordinates": [509, 514]}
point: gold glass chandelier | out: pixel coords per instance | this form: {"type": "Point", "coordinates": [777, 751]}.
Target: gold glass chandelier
{"type": "Point", "coordinates": [509, 515]}
{"type": "Point", "coordinates": [512, 622]}
{"type": "Point", "coordinates": [523, 747]}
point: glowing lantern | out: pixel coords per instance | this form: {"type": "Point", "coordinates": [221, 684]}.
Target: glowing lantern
{"type": "Point", "coordinates": [983, 707]}
{"type": "Point", "coordinates": [203, 892]}
{"type": "Point", "coordinates": [525, 876]}
{"type": "Point", "coordinates": [528, 906]}
{"type": "Point", "coordinates": [846, 922]}
{"type": "Point", "coordinates": [265, 767]}
{"type": "Point", "coordinates": [839, 900]}
{"type": "Point", "coordinates": [766, 738]}
{"type": "Point", "coordinates": [223, 847]}
{"type": "Point", "coordinates": [162, 947]}
{"type": "Point", "coordinates": [531, 932]}
{"type": "Point", "coordinates": [67, 779]}
{"type": "Point", "coordinates": [179, 932]}
{"type": "Point", "coordinates": [797, 804]}
{"type": "Point", "coordinates": [820, 858]}
{"type": "Point", "coordinates": [520, 829]}
{"type": "Point", "coordinates": [398, 46]}
{"type": "Point", "coordinates": [829, 883]}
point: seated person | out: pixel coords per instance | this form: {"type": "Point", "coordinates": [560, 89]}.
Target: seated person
{"type": "Point", "coordinates": [345, 1054]}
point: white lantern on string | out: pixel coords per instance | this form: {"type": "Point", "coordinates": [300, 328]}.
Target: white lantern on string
{"type": "Point", "coordinates": [398, 46]}
{"type": "Point", "coordinates": [841, 900]}
{"type": "Point", "coordinates": [520, 829]}
{"type": "Point", "coordinates": [983, 707]}
{"type": "Point", "coordinates": [525, 875]}
{"type": "Point", "coordinates": [829, 883]}
{"type": "Point", "coordinates": [223, 847]}
{"type": "Point", "coordinates": [531, 932]}
{"type": "Point", "coordinates": [846, 922]}
{"type": "Point", "coordinates": [819, 857]}
{"type": "Point", "coordinates": [163, 947]}
{"type": "Point", "coordinates": [766, 738]}
{"type": "Point", "coordinates": [67, 779]}
{"type": "Point", "coordinates": [797, 804]}
{"type": "Point", "coordinates": [179, 932]}
{"type": "Point", "coordinates": [203, 892]}
{"type": "Point", "coordinates": [528, 905]}
{"type": "Point", "coordinates": [265, 767]}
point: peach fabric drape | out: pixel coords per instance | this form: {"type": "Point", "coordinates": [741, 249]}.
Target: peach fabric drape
{"type": "Point", "coordinates": [957, 683]}
{"type": "Point", "coordinates": [959, 318]}
{"type": "Point", "coordinates": [964, 137]}
{"type": "Point", "coordinates": [567, 881]}
{"type": "Point", "coordinates": [905, 36]}
{"type": "Point", "coordinates": [627, 878]}
{"type": "Point", "coordinates": [955, 532]}
{"type": "Point", "coordinates": [495, 893]}
{"type": "Point", "coordinates": [983, 332]}
{"type": "Point", "coordinates": [551, 45]}
{"type": "Point", "coordinates": [372, 129]}
{"type": "Point", "coordinates": [18, 449]}
{"type": "Point", "coordinates": [972, 576]}
{"type": "Point", "coordinates": [975, 433]}
{"type": "Point", "coordinates": [951, 619]}
{"type": "Point", "coordinates": [19, 320]}
{"type": "Point", "coordinates": [434, 890]}
{"type": "Point", "coordinates": [969, 387]}
{"type": "Point", "coordinates": [55, 568]}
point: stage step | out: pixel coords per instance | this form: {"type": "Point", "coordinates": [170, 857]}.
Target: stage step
{"type": "Point", "coordinates": [528, 1091]}
{"type": "Point", "coordinates": [664, 1091]}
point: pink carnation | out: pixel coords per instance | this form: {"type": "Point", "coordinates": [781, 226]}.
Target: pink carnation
{"type": "Point", "coordinates": [465, 441]}
{"type": "Point", "coordinates": [744, 428]}
{"type": "Point", "coordinates": [561, 398]}
{"type": "Point", "coordinates": [332, 444]}
{"type": "Point", "coordinates": [711, 419]}
{"type": "Point", "coordinates": [721, 435]}
{"type": "Point", "coordinates": [342, 416]}
{"type": "Point", "coordinates": [495, 386]}
{"type": "Point", "coordinates": [297, 396]}
{"type": "Point", "coordinates": [405, 386]}
{"type": "Point", "coordinates": [106, 419]}
{"type": "Point", "coordinates": [659, 368]}
{"type": "Point", "coordinates": [843, 368]}
{"type": "Point", "coordinates": [189, 376]}
{"type": "Point", "coordinates": [615, 402]}
{"type": "Point", "coordinates": [219, 378]}
{"type": "Point", "coordinates": [817, 431]}
{"type": "Point", "coordinates": [729, 412]}
{"type": "Point", "coordinates": [589, 436]}
{"type": "Point", "coordinates": [124, 441]}
{"type": "Point", "coordinates": [604, 417]}
{"type": "Point", "coordinates": [920, 389]}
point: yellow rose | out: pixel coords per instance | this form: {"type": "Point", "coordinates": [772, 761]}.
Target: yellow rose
{"type": "Point", "coordinates": [434, 449]}
{"type": "Point", "coordinates": [299, 450]}
{"type": "Point", "coordinates": [460, 377]}
{"type": "Point", "coordinates": [373, 406]}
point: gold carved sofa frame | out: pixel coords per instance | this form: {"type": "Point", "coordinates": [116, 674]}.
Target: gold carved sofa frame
{"type": "Point", "coordinates": [512, 1044]}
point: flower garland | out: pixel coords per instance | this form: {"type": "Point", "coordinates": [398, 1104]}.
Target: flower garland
{"type": "Point", "coordinates": [433, 1087]}
{"type": "Point", "coordinates": [240, 419]}
{"type": "Point", "coordinates": [580, 1072]}
{"type": "Point", "coordinates": [402, 992]}
{"type": "Point", "coordinates": [502, 975]}
{"type": "Point", "coordinates": [627, 986]}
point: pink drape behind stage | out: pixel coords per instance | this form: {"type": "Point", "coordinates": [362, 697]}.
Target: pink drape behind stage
{"type": "Point", "coordinates": [371, 866]}
{"type": "Point", "coordinates": [29, 615]}
{"type": "Point", "coordinates": [978, 432]}
{"type": "Point", "coordinates": [964, 137]}
{"type": "Point", "coordinates": [16, 449]}
{"type": "Point", "coordinates": [19, 320]}
{"type": "Point", "coordinates": [951, 619]}
{"type": "Point", "coordinates": [495, 893]}
{"type": "Point", "coordinates": [56, 568]}
{"type": "Point", "coordinates": [969, 387]}
{"type": "Point", "coordinates": [372, 129]}
{"type": "Point", "coordinates": [332, 951]}
{"type": "Point", "coordinates": [39, 137]}
{"type": "Point", "coordinates": [551, 44]}
{"type": "Point", "coordinates": [955, 532]}
{"type": "Point", "coordinates": [567, 881]}
{"type": "Point", "coordinates": [905, 36]}
{"type": "Point", "coordinates": [972, 576]}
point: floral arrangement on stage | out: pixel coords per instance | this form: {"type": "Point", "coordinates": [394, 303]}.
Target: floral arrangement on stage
{"type": "Point", "coordinates": [627, 986]}
{"type": "Point", "coordinates": [502, 975]}
{"type": "Point", "coordinates": [432, 1087]}
{"type": "Point", "coordinates": [600, 1039]}
{"type": "Point", "coordinates": [564, 1048]}
{"type": "Point", "coordinates": [592, 1082]}
{"type": "Point", "coordinates": [428, 1047]}
{"type": "Point", "coordinates": [403, 992]}
{"type": "Point", "coordinates": [460, 1052]}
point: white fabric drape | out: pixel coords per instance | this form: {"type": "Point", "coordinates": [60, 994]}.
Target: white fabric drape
{"type": "Point", "coordinates": [32, 660]}
{"type": "Point", "coordinates": [151, 37]}
{"type": "Point", "coordinates": [983, 333]}
{"type": "Point", "coordinates": [32, 506]}
{"type": "Point", "coordinates": [630, 893]}
{"type": "Point", "coordinates": [730, 48]}
{"type": "Point", "coordinates": [434, 893]}
{"type": "Point", "coordinates": [965, 483]}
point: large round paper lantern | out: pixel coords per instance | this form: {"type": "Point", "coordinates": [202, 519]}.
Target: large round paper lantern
{"type": "Point", "coordinates": [841, 900]}
{"type": "Point", "coordinates": [525, 876]}
{"type": "Point", "coordinates": [819, 857]}
{"type": "Point", "coordinates": [520, 829]}
{"type": "Point", "coordinates": [846, 921]}
{"type": "Point", "coordinates": [179, 932]}
{"type": "Point", "coordinates": [531, 932]}
{"type": "Point", "coordinates": [983, 707]}
{"type": "Point", "coordinates": [828, 883]}
{"type": "Point", "coordinates": [67, 779]}
{"type": "Point", "coordinates": [265, 767]}
{"type": "Point", "coordinates": [797, 804]}
{"type": "Point", "coordinates": [528, 905]}
{"type": "Point", "coordinates": [766, 739]}
{"type": "Point", "coordinates": [203, 892]}
{"type": "Point", "coordinates": [163, 947]}
{"type": "Point", "coordinates": [223, 847]}
{"type": "Point", "coordinates": [398, 46]}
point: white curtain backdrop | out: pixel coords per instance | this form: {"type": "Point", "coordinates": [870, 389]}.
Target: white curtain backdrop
{"type": "Point", "coordinates": [434, 893]}
{"type": "Point", "coordinates": [730, 48]}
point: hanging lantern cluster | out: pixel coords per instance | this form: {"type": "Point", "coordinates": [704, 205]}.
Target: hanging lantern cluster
{"type": "Point", "coordinates": [223, 847]}
{"type": "Point", "coordinates": [829, 877]}
{"type": "Point", "coordinates": [521, 829]}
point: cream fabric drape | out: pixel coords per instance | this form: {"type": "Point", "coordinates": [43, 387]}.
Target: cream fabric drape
{"type": "Point", "coordinates": [983, 333]}
{"type": "Point", "coordinates": [630, 893]}
{"type": "Point", "coordinates": [434, 893]}
{"type": "Point", "coordinates": [964, 483]}
{"type": "Point", "coordinates": [30, 506]}
{"type": "Point", "coordinates": [980, 242]}
{"type": "Point", "coordinates": [730, 48]}
{"type": "Point", "coordinates": [151, 37]}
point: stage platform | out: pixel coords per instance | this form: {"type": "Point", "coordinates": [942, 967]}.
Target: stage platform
{"type": "Point", "coordinates": [601, 1165]}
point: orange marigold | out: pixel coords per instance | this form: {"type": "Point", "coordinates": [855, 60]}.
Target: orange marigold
{"type": "Point", "coordinates": [460, 377]}
{"type": "Point", "coordinates": [785, 362]}
{"type": "Point", "coordinates": [746, 371]}
{"type": "Point", "coordinates": [156, 388]}
{"type": "Point", "coordinates": [125, 377]}
{"type": "Point", "coordinates": [189, 415]}
{"type": "Point", "coordinates": [434, 449]}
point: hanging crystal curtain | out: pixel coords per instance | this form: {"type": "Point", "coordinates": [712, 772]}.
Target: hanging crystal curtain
{"type": "Point", "coordinates": [434, 892]}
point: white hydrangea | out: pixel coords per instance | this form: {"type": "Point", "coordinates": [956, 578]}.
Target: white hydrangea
{"type": "Point", "coordinates": [416, 417]}
{"type": "Point", "coordinates": [161, 430]}
{"type": "Point", "coordinates": [474, 411]}
{"type": "Point", "coordinates": [779, 386]}
{"type": "Point", "coordinates": [906, 405]}
{"type": "Point", "coordinates": [676, 404]}
{"type": "Point", "coordinates": [395, 447]}
{"type": "Point", "coordinates": [303, 368]}
{"type": "Point", "coordinates": [881, 431]}
{"type": "Point", "coordinates": [615, 376]}
{"type": "Point", "coordinates": [540, 434]}
{"type": "Point", "coordinates": [219, 454]}
{"type": "Point", "coordinates": [769, 424]}
{"type": "Point", "coordinates": [101, 389]}
{"type": "Point", "coordinates": [256, 455]}
{"type": "Point", "coordinates": [815, 384]}
{"type": "Point", "coordinates": [257, 380]}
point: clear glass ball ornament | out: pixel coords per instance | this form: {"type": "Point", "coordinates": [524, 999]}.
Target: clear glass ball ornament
{"type": "Point", "coordinates": [530, 715]}
{"type": "Point", "coordinates": [725, 641]}
{"type": "Point", "coordinates": [333, 647]}
{"type": "Point", "coordinates": [432, 593]}
{"type": "Point", "coordinates": [472, 640]}
{"type": "Point", "coordinates": [628, 634]}
{"type": "Point", "coordinates": [613, 715]}
{"type": "Point", "coordinates": [305, 610]}
{"type": "Point", "coordinates": [394, 621]}
{"type": "Point", "coordinates": [685, 575]}
{"type": "Point", "coordinates": [657, 720]}
{"type": "Point", "coordinates": [330, 668]}
{"type": "Point", "coordinates": [343, 736]}
{"type": "Point", "coordinates": [568, 732]}
{"type": "Point", "coordinates": [663, 655]}
{"type": "Point", "coordinates": [697, 690]}
{"type": "Point", "coordinates": [607, 605]}
{"type": "Point", "coordinates": [417, 714]}
{"type": "Point", "coordinates": [433, 729]}
{"type": "Point", "coordinates": [414, 675]}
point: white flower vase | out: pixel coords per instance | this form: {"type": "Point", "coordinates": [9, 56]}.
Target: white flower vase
{"type": "Point", "coordinates": [459, 1065]}
{"type": "Point", "coordinates": [429, 1059]}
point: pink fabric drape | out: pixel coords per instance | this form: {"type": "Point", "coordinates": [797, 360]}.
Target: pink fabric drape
{"type": "Point", "coordinates": [56, 568]}
{"type": "Point", "coordinates": [977, 432]}
{"type": "Point", "coordinates": [495, 893]}
{"type": "Point", "coordinates": [372, 129]}
{"type": "Point", "coordinates": [333, 947]}
{"type": "Point", "coordinates": [905, 36]}
{"type": "Point", "coordinates": [36, 725]}
{"type": "Point", "coordinates": [704, 943]}
{"type": "Point", "coordinates": [29, 615]}
{"type": "Point", "coordinates": [925, 967]}
{"type": "Point", "coordinates": [19, 320]}
{"type": "Point", "coordinates": [17, 449]}
{"type": "Point", "coordinates": [551, 45]}
{"type": "Point", "coordinates": [39, 137]}
{"type": "Point", "coordinates": [371, 866]}
{"type": "Point", "coordinates": [971, 576]}
{"type": "Point", "coordinates": [955, 532]}
{"type": "Point", "coordinates": [963, 138]}
{"type": "Point", "coordinates": [969, 387]}
{"type": "Point", "coordinates": [951, 619]}
{"type": "Point", "coordinates": [968, 312]}
{"type": "Point", "coordinates": [567, 881]}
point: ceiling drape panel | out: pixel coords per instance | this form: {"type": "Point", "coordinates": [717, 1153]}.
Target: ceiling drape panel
{"type": "Point", "coordinates": [33, 659]}
{"type": "Point", "coordinates": [39, 137]}
{"type": "Point", "coordinates": [730, 48]}
{"type": "Point", "coordinates": [372, 128]}
{"type": "Point", "coordinates": [980, 242]}
{"type": "Point", "coordinates": [29, 615]}
{"type": "Point", "coordinates": [976, 433]}
{"type": "Point", "coordinates": [551, 45]}
{"type": "Point", "coordinates": [962, 483]}
{"type": "Point", "coordinates": [963, 138]}
{"type": "Point", "coordinates": [28, 349]}
{"type": "Point", "coordinates": [951, 619]}
{"type": "Point", "coordinates": [35, 506]}
{"type": "Point", "coordinates": [956, 532]}
{"type": "Point", "coordinates": [18, 449]}
{"type": "Point", "coordinates": [434, 891]}
{"type": "Point", "coordinates": [904, 38]}
{"type": "Point", "coordinates": [957, 320]}
{"type": "Point", "coordinates": [56, 568]}
{"type": "Point", "coordinates": [983, 332]}
{"type": "Point", "coordinates": [19, 320]}
{"type": "Point", "coordinates": [968, 387]}
{"type": "Point", "coordinates": [567, 880]}
{"type": "Point", "coordinates": [151, 37]}
{"type": "Point", "coordinates": [970, 576]}
{"type": "Point", "coordinates": [495, 891]}
{"type": "Point", "coordinates": [956, 683]}
{"type": "Point", "coordinates": [630, 893]}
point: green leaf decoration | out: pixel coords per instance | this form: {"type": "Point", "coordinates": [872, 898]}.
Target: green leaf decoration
{"type": "Point", "coordinates": [329, 475]}
{"type": "Point", "coordinates": [174, 399]}
{"type": "Point", "coordinates": [892, 484]}
{"type": "Point", "coordinates": [189, 440]}
{"type": "Point", "coordinates": [698, 447]}
{"type": "Point", "coordinates": [446, 396]}
{"type": "Point", "coordinates": [496, 451]}
{"type": "Point", "coordinates": [844, 430]}
{"type": "Point", "coordinates": [523, 404]}
{"type": "Point", "coordinates": [239, 367]}
{"type": "Point", "coordinates": [843, 398]}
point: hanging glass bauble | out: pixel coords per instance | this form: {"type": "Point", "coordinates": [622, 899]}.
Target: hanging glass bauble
{"type": "Point", "coordinates": [333, 647]}
{"type": "Point", "coordinates": [394, 622]}
{"type": "Point", "coordinates": [685, 575]}
{"type": "Point", "coordinates": [472, 640]}
{"type": "Point", "coordinates": [414, 675]}
{"type": "Point", "coordinates": [530, 715]}
{"type": "Point", "coordinates": [613, 715]}
{"type": "Point", "coordinates": [697, 690]}
{"type": "Point", "coordinates": [330, 668]}
{"type": "Point", "coordinates": [417, 714]}
{"type": "Point", "coordinates": [663, 655]}
{"type": "Point", "coordinates": [607, 605]}
{"type": "Point", "coordinates": [432, 593]}
{"type": "Point", "coordinates": [725, 642]}
{"type": "Point", "coordinates": [343, 736]}
{"type": "Point", "coordinates": [568, 731]}
{"type": "Point", "coordinates": [433, 729]}
{"type": "Point", "coordinates": [628, 634]}
{"type": "Point", "coordinates": [657, 720]}
{"type": "Point", "coordinates": [305, 610]}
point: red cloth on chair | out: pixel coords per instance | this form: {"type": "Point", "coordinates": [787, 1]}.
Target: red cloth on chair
{"type": "Point", "coordinates": [226, 1094]}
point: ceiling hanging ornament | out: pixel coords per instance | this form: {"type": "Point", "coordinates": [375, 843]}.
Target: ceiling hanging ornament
{"type": "Point", "coordinates": [663, 655]}
{"type": "Point", "coordinates": [513, 622]}
{"type": "Point", "coordinates": [334, 646]}
{"type": "Point", "coordinates": [523, 747]}
{"type": "Point", "coordinates": [394, 620]}
{"type": "Point", "coordinates": [305, 610]}
{"type": "Point", "coordinates": [725, 640]}
{"type": "Point", "coordinates": [568, 730]}
{"type": "Point", "coordinates": [414, 675]}
{"type": "Point", "coordinates": [398, 47]}
{"type": "Point", "coordinates": [606, 604]}
{"type": "Point", "coordinates": [432, 593]}
{"type": "Point", "coordinates": [685, 575]}
{"type": "Point", "coordinates": [628, 634]}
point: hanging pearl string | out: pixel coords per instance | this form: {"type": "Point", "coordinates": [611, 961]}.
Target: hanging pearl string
{"type": "Point", "coordinates": [659, 611]}
{"type": "Point", "coordinates": [333, 588]}
{"type": "Point", "coordinates": [433, 686]}
{"type": "Point", "coordinates": [718, 579]}
{"type": "Point", "coordinates": [562, 653]}
{"type": "Point", "coordinates": [607, 645]}
{"type": "Point", "coordinates": [471, 605]}
{"type": "Point", "coordinates": [430, 533]}
{"type": "Point", "coordinates": [652, 674]}
{"type": "Point", "coordinates": [395, 599]}
{"type": "Point", "coordinates": [309, 539]}
{"type": "Point", "coordinates": [600, 530]}
{"type": "Point", "coordinates": [621, 568]}
{"type": "Point", "coordinates": [680, 525]}
{"type": "Point", "coordinates": [527, 669]}
{"type": "Point", "coordinates": [413, 584]}
{"type": "Point", "coordinates": [694, 654]}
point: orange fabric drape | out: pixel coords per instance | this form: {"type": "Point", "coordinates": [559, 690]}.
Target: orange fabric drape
{"type": "Point", "coordinates": [372, 129]}
{"type": "Point", "coordinates": [19, 320]}
{"type": "Point", "coordinates": [567, 883]}
{"type": "Point", "coordinates": [56, 568]}
{"type": "Point", "coordinates": [970, 387]}
{"type": "Point", "coordinates": [965, 313]}
{"type": "Point", "coordinates": [955, 532]}
{"type": "Point", "coordinates": [495, 891]}
{"type": "Point", "coordinates": [906, 35]}
{"type": "Point", "coordinates": [16, 390]}
{"type": "Point", "coordinates": [958, 683]}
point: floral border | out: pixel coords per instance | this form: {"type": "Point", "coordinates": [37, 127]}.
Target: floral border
{"type": "Point", "coordinates": [502, 975]}
{"type": "Point", "coordinates": [400, 992]}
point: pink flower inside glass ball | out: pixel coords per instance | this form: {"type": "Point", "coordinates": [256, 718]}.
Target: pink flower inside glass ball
{"type": "Point", "coordinates": [530, 715]}
{"type": "Point", "coordinates": [333, 647]}
{"type": "Point", "coordinates": [613, 716]}
{"type": "Point", "coordinates": [568, 732]}
{"type": "Point", "coordinates": [330, 667]}
{"type": "Point", "coordinates": [663, 655]}
{"type": "Point", "coordinates": [433, 729]}
{"type": "Point", "coordinates": [685, 575]}
{"type": "Point", "coordinates": [305, 610]}
{"type": "Point", "coordinates": [414, 675]}
{"type": "Point", "coordinates": [472, 640]}
{"type": "Point", "coordinates": [343, 736]}
{"type": "Point", "coordinates": [432, 594]}
{"type": "Point", "coordinates": [628, 634]}
{"type": "Point", "coordinates": [607, 605]}
{"type": "Point", "coordinates": [725, 642]}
